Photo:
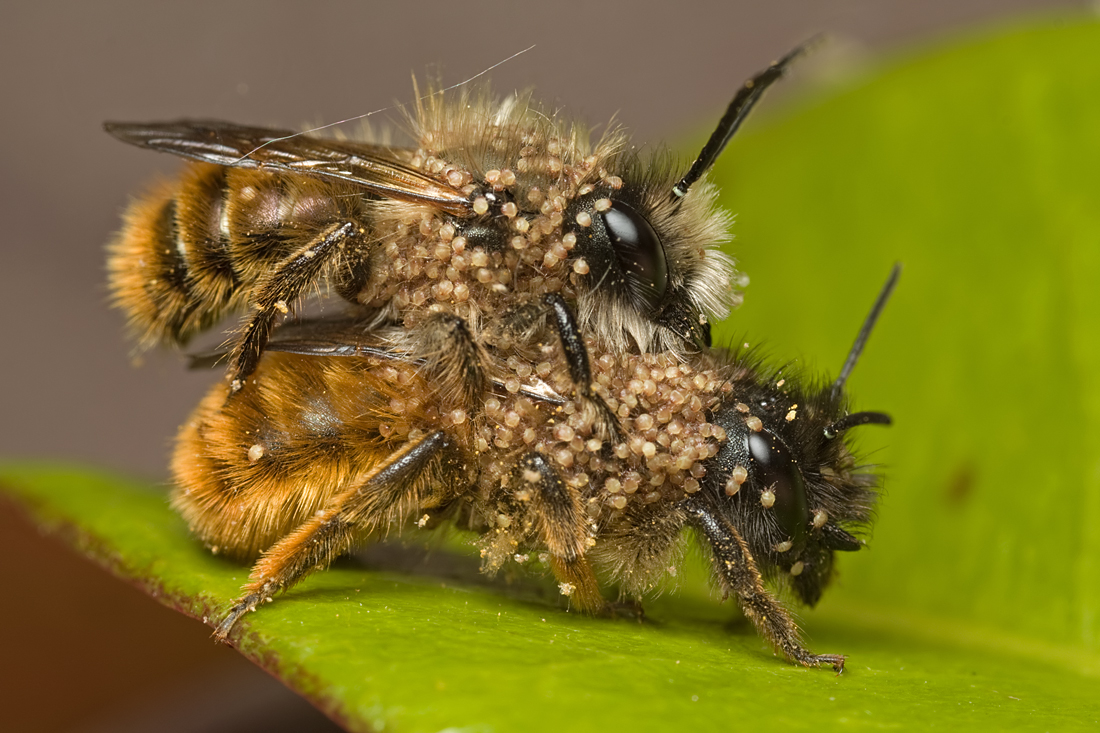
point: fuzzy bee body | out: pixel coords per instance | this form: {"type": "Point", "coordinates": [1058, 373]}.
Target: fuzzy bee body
{"type": "Point", "coordinates": [368, 446]}
{"type": "Point", "coordinates": [524, 348]}
{"type": "Point", "coordinates": [193, 251]}
{"type": "Point", "coordinates": [500, 202]}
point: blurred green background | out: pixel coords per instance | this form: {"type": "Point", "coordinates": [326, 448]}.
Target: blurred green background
{"type": "Point", "coordinates": [977, 166]}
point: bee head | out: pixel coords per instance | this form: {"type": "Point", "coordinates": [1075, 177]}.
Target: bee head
{"type": "Point", "coordinates": [652, 270]}
{"type": "Point", "coordinates": [786, 476]}
{"type": "Point", "coordinates": [654, 275]}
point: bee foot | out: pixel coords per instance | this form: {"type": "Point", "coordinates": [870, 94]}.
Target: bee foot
{"type": "Point", "coordinates": [244, 605]}
{"type": "Point", "coordinates": [836, 661]}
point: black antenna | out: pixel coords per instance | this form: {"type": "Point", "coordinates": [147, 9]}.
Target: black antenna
{"type": "Point", "coordinates": [743, 102]}
{"type": "Point", "coordinates": [856, 418]}
{"type": "Point", "coordinates": [865, 332]}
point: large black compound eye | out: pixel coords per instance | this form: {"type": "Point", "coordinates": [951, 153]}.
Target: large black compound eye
{"type": "Point", "coordinates": [777, 472]}
{"type": "Point", "coordinates": [640, 253]}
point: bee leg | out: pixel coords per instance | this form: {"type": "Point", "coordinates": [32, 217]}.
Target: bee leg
{"type": "Point", "coordinates": [273, 297]}
{"type": "Point", "coordinates": [453, 359]}
{"type": "Point", "coordinates": [577, 580]}
{"type": "Point", "coordinates": [738, 575]}
{"type": "Point", "coordinates": [561, 524]}
{"type": "Point", "coordinates": [576, 356]}
{"type": "Point", "coordinates": [406, 481]}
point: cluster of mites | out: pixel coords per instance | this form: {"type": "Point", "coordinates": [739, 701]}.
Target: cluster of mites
{"type": "Point", "coordinates": [429, 261]}
{"type": "Point", "coordinates": [661, 404]}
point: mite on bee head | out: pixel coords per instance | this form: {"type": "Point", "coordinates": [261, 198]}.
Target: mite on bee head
{"type": "Point", "coordinates": [496, 214]}
{"type": "Point", "coordinates": [341, 438]}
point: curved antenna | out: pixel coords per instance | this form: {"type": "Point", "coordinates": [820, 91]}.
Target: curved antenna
{"type": "Point", "coordinates": [856, 418]}
{"type": "Point", "coordinates": [865, 332]}
{"type": "Point", "coordinates": [743, 102]}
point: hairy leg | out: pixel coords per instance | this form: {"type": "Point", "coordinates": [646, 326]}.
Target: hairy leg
{"type": "Point", "coordinates": [412, 478]}
{"type": "Point", "coordinates": [738, 574]}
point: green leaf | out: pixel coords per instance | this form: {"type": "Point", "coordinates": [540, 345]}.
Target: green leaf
{"type": "Point", "coordinates": [978, 167]}
{"type": "Point", "coordinates": [379, 649]}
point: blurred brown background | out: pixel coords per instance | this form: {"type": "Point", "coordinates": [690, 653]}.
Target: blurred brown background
{"type": "Point", "coordinates": [79, 650]}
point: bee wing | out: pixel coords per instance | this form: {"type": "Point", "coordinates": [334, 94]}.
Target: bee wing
{"type": "Point", "coordinates": [351, 337]}
{"type": "Point", "coordinates": [322, 337]}
{"type": "Point", "coordinates": [374, 167]}
{"type": "Point", "coordinates": [341, 337]}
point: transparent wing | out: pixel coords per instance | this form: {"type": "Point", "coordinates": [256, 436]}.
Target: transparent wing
{"type": "Point", "coordinates": [323, 337]}
{"type": "Point", "coordinates": [374, 167]}
{"type": "Point", "coordinates": [349, 337]}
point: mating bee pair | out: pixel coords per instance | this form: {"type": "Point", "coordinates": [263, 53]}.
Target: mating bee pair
{"type": "Point", "coordinates": [524, 350]}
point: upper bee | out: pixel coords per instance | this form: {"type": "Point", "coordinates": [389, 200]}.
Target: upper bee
{"type": "Point", "coordinates": [497, 199]}
{"type": "Point", "coordinates": [497, 203]}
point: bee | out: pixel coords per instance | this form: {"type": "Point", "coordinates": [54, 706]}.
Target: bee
{"type": "Point", "coordinates": [498, 204]}
{"type": "Point", "coordinates": [343, 437]}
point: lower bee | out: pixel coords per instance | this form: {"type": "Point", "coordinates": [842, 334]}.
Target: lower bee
{"type": "Point", "coordinates": [498, 201]}
{"type": "Point", "coordinates": [342, 436]}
